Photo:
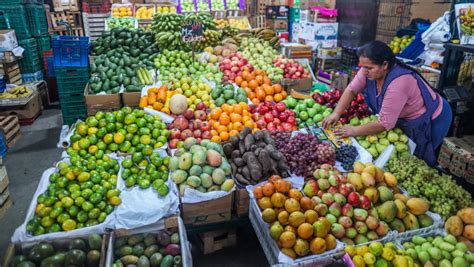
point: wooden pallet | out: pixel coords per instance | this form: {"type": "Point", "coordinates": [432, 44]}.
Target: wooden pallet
{"type": "Point", "coordinates": [258, 21]}
{"type": "Point", "coordinates": [10, 126]}
{"type": "Point", "coordinates": [73, 18]}
{"type": "Point", "coordinates": [60, 5]}
{"type": "Point", "coordinates": [11, 71]}
{"type": "Point", "coordinates": [4, 182]}
{"type": "Point", "coordinates": [94, 24]}
{"type": "Point", "coordinates": [75, 32]}
{"type": "Point", "coordinates": [4, 208]}
{"type": "Point", "coordinates": [216, 240]}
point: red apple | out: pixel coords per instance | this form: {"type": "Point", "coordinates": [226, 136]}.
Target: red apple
{"type": "Point", "coordinates": [173, 143]}
{"type": "Point", "coordinates": [188, 114]}
{"type": "Point", "coordinates": [175, 133]}
{"type": "Point", "coordinates": [205, 126]}
{"type": "Point", "coordinates": [186, 133]}
{"type": "Point", "coordinates": [206, 134]}
{"type": "Point", "coordinates": [268, 117]}
{"type": "Point", "coordinates": [197, 134]}
{"type": "Point", "coordinates": [201, 106]}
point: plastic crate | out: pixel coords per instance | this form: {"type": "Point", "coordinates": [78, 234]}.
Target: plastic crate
{"type": "Point", "coordinates": [73, 109]}
{"type": "Point", "coordinates": [71, 80]}
{"type": "Point", "coordinates": [44, 44]}
{"type": "Point", "coordinates": [14, 17]}
{"type": "Point", "coordinates": [19, 2]}
{"type": "Point", "coordinates": [31, 61]}
{"type": "Point", "coordinates": [3, 146]}
{"type": "Point", "coordinates": [96, 8]}
{"type": "Point", "coordinates": [32, 77]}
{"type": "Point", "coordinates": [70, 99]}
{"type": "Point", "coordinates": [36, 15]}
{"type": "Point", "coordinates": [415, 48]}
{"type": "Point", "coordinates": [71, 51]}
{"type": "Point", "coordinates": [48, 63]}
{"type": "Point", "coordinates": [3, 84]}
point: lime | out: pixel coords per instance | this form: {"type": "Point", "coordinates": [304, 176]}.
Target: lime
{"type": "Point", "coordinates": [82, 216]}
{"type": "Point", "coordinates": [93, 139]}
{"type": "Point", "coordinates": [32, 225]}
{"type": "Point", "coordinates": [102, 217]}
{"type": "Point", "coordinates": [41, 198]}
{"type": "Point", "coordinates": [68, 225]}
{"type": "Point", "coordinates": [84, 143]}
{"type": "Point", "coordinates": [113, 147]}
{"type": "Point", "coordinates": [99, 154]}
{"type": "Point", "coordinates": [132, 128]}
{"type": "Point", "coordinates": [119, 126]}
{"type": "Point", "coordinates": [102, 123]}
{"type": "Point", "coordinates": [87, 206]}
{"type": "Point", "coordinates": [99, 115]}
{"type": "Point", "coordinates": [91, 222]}
{"type": "Point", "coordinates": [67, 201]}
{"type": "Point", "coordinates": [137, 157]}
{"type": "Point", "coordinates": [119, 116]}
{"type": "Point", "coordinates": [128, 136]}
{"type": "Point", "coordinates": [79, 201]}
{"type": "Point", "coordinates": [94, 213]}
{"type": "Point", "coordinates": [92, 121]}
{"type": "Point", "coordinates": [92, 131]}
{"type": "Point", "coordinates": [87, 184]}
{"type": "Point", "coordinates": [163, 190]}
{"type": "Point", "coordinates": [39, 230]}
{"type": "Point", "coordinates": [110, 117]}
{"type": "Point", "coordinates": [130, 181]}
{"type": "Point", "coordinates": [95, 198]}
{"type": "Point", "coordinates": [129, 119]}
{"type": "Point", "coordinates": [125, 146]}
{"type": "Point", "coordinates": [155, 133]}
{"type": "Point", "coordinates": [75, 195]}
{"type": "Point", "coordinates": [127, 163]}
{"type": "Point", "coordinates": [73, 210]}
{"type": "Point", "coordinates": [115, 200]}
{"type": "Point", "coordinates": [145, 139]}
{"type": "Point", "coordinates": [155, 175]}
{"type": "Point", "coordinates": [63, 217]}
{"type": "Point", "coordinates": [147, 150]}
{"type": "Point", "coordinates": [54, 228]}
{"type": "Point", "coordinates": [101, 132]}
{"type": "Point", "coordinates": [110, 127]}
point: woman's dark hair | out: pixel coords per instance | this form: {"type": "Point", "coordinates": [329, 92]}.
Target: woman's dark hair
{"type": "Point", "coordinates": [378, 52]}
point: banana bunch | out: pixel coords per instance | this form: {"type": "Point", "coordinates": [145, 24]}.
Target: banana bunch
{"type": "Point", "coordinates": [167, 22]}
{"type": "Point", "coordinates": [206, 19]}
{"type": "Point", "coordinates": [211, 39]}
{"type": "Point", "coordinates": [467, 20]}
{"type": "Point", "coordinates": [229, 31]}
{"type": "Point", "coordinates": [466, 70]}
{"type": "Point", "coordinates": [170, 41]}
{"type": "Point", "coordinates": [275, 42]}
{"type": "Point", "coordinates": [17, 92]}
{"type": "Point", "coordinates": [262, 33]}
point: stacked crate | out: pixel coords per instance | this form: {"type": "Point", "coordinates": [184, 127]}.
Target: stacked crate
{"type": "Point", "coordinates": [5, 198]}
{"type": "Point", "coordinates": [71, 68]}
{"type": "Point", "coordinates": [31, 61]}
{"type": "Point", "coordinates": [13, 16]}
{"type": "Point", "coordinates": [94, 16]}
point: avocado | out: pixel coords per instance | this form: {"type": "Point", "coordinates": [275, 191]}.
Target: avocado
{"type": "Point", "coordinates": [95, 241]}
{"type": "Point", "coordinates": [167, 261]}
{"type": "Point", "coordinates": [77, 244]}
{"type": "Point", "coordinates": [40, 251]}
{"type": "Point", "coordinates": [75, 257]}
{"type": "Point", "coordinates": [18, 259]}
{"type": "Point", "coordinates": [143, 262]}
{"type": "Point", "coordinates": [26, 264]}
{"type": "Point", "coordinates": [138, 249]}
{"type": "Point", "coordinates": [93, 258]}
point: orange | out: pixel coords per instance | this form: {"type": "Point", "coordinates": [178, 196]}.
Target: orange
{"type": "Point", "coordinates": [233, 132]}
{"type": "Point", "coordinates": [284, 94]}
{"type": "Point", "coordinates": [268, 89]}
{"type": "Point", "coordinates": [247, 90]}
{"type": "Point", "coordinates": [215, 125]}
{"type": "Point", "coordinates": [249, 124]}
{"type": "Point", "coordinates": [214, 132]}
{"type": "Point", "coordinates": [245, 74]}
{"type": "Point", "coordinates": [253, 84]}
{"type": "Point", "coordinates": [278, 97]}
{"type": "Point", "coordinates": [227, 108]}
{"type": "Point", "coordinates": [258, 192]}
{"type": "Point", "coordinates": [277, 88]}
{"type": "Point", "coordinates": [238, 80]}
{"type": "Point", "coordinates": [237, 126]}
{"type": "Point", "coordinates": [221, 129]}
{"type": "Point", "coordinates": [244, 106]}
{"type": "Point", "coordinates": [238, 109]}
{"type": "Point", "coordinates": [267, 80]}
{"type": "Point", "coordinates": [216, 139]}
{"type": "Point", "coordinates": [268, 189]}
{"type": "Point", "coordinates": [259, 79]}
{"type": "Point", "coordinates": [269, 98]}
{"type": "Point", "coordinates": [230, 126]}
{"type": "Point", "coordinates": [244, 84]}
{"type": "Point", "coordinates": [251, 95]}
{"type": "Point", "coordinates": [215, 113]}
{"type": "Point", "coordinates": [255, 101]}
{"type": "Point", "coordinates": [250, 77]}
{"type": "Point", "coordinates": [260, 94]}
{"type": "Point", "coordinates": [235, 117]}
{"type": "Point", "coordinates": [259, 72]}
{"type": "Point", "coordinates": [224, 136]}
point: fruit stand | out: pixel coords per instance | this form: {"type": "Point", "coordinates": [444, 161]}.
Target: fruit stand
{"type": "Point", "coordinates": [168, 137]}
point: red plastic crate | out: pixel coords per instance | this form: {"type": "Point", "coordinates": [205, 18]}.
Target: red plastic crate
{"type": "Point", "coordinates": [96, 8]}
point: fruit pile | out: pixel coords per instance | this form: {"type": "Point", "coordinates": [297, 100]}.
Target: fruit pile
{"type": "Point", "coordinates": [461, 225]}
{"type": "Point", "coordinates": [157, 99]}
{"type": "Point", "coordinates": [145, 12]}
{"type": "Point", "coordinates": [233, 65]}
{"type": "Point", "coordinates": [259, 87]}
{"type": "Point", "coordinates": [201, 167]}
{"type": "Point", "coordinates": [217, 5]}
{"type": "Point", "coordinates": [125, 130]}
{"type": "Point", "coordinates": [203, 6]}
{"type": "Point", "coordinates": [226, 93]}
{"type": "Point", "coordinates": [260, 55]}
{"type": "Point", "coordinates": [165, 9]}
{"type": "Point", "coordinates": [77, 196]}
{"type": "Point", "coordinates": [400, 212]}
{"type": "Point", "coordinates": [303, 152]}
{"type": "Point", "coordinates": [222, 51]}
{"type": "Point", "coordinates": [378, 254]}
{"type": "Point", "coordinates": [399, 44]}
{"type": "Point", "coordinates": [122, 11]}
{"type": "Point", "coordinates": [229, 120]}
{"type": "Point", "coordinates": [376, 144]}
{"type": "Point", "coordinates": [273, 117]}
{"type": "Point", "coordinates": [79, 251]}
{"type": "Point", "coordinates": [291, 68]}
{"type": "Point", "coordinates": [346, 155]}
{"type": "Point", "coordinates": [253, 157]}
{"type": "Point", "coordinates": [175, 65]}
{"type": "Point", "coordinates": [466, 17]}
{"type": "Point", "coordinates": [161, 249]}
{"type": "Point", "coordinates": [196, 91]}
{"type": "Point", "coordinates": [241, 23]}
{"type": "Point", "coordinates": [187, 6]}
{"type": "Point", "coordinates": [357, 109]}
{"type": "Point", "coordinates": [167, 30]}
{"type": "Point", "coordinates": [293, 222]}
{"type": "Point", "coordinates": [444, 195]}
{"type": "Point", "coordinates": [438, 251]}
{"type": "Point", "coordinates": [211, 38]}
{"type": "Point", "coordinates": [189, 124]}
{"type": "Point", "coordinates": [144, 171]}
{"type": "Point", "coordinates": [307, 111]}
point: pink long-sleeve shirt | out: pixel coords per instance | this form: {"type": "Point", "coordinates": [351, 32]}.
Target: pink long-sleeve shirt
{"type": "Point", "coordinates": [402, 99]}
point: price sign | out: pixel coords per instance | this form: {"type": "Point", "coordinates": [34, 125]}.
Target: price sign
{"type": "Point", "coordinates": [192, 32]}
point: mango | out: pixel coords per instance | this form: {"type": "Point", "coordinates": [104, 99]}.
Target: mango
{"type": "Point", "coordinates": [355, 180]}
{"type": "Point", "coordinates": [182, 188]}
{"type": "Point", "coordinates": [411, 222]}
{"type": "Point", "coordinates": [195, 148]}
{"type": "Point", "coordinates": [227, 185]}
{"type": "Point", "coordinates": [367, 179]}
{"type": "Point", "coordinates": [213, 158]}
{"type": "Point", "coordinates": [213, 188]}
{"type": "Point", "coordinates": [206, 180]}
{"type": "Point", "coordinates": [390, 179]}
{"type": "Point", "coordinates": [417, 206]}
{"type": "Point", "coordinates": [454, 225]}
{"type": "Point", "coordinates": [173, 164]}
{"type": "Point", "coordinates": [189, 142]}
{"type": "Point", "coordinates": [195, 170]}
{"type": "Point", "coordinates": [208, 169]}
{"type": "Point", "coordinates": [179, 176]}
{"type": "Point", "coordinates": [424, 220]}
{"type": "Point", "coordinates": [225, 166]}
{"type": "Point", "coordinates": [387, 211]}
{"type": "Point", "coordinates": [468, 232]}
{"type": "Point", "coordinates": [193, 181]}
{"type": "Point", "coordinates": [466, 215]}
{"type": "Point", "coordinates": [185, 161]}
{"type": "Point", "coordinates": [218, 176]}
{"type": "Point", "coordinates": [460, 262]}
{"type": "Point", "coordinates": [372, 194]}
{"type": "Point", "coordinates": [199, 157]}
{"type": "Point", "coordinates": [397, 225]}
{"type": "Point", "coordinates": [370, 169]}
{"type": "Point", "coordinates": [385, 194]}
{"type": "Point", "coordinates": [402, 197]}
{"type": "Point", "coordinates": [358, 167]}
{"type": "Point", "coordinates": [401, 209]}
{"type": "Point", "coordinates": [379, 175]}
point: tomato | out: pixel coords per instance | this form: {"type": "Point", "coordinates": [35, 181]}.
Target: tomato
{"type": "Point", "coordinates": [87, 184]}
{"type": "Point", "coordinates": [143, 163]}
{"type": "Point", "coordinates": [60, 194]}
{"type": "Point", "coordinates": [126, 173]}
{"type": "Point", "coordinates": [107, 185]}
{"type": "Point", "coordinates": [68, 225]}
{"type": "Point", "coordinates": [105, 175]}
{"type": "Point", "coordinates": [41, 198]}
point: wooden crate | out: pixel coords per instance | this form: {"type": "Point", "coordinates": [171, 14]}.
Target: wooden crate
{"type": "Point", "coordinates": [258, 21]}
{"type": "Point", "coordinates": [12, 72]}
{"type": "Point", "coordinates": [10, 126]}
{"type": "Point", "coordinates": [4, 181]}
{"type": "Point", "coordinates": [73, 18]}
{"type": "Point", "coordinates": [241, 202]}
{"type": "Point", "coordinates": [14, 249]}
{"type": "Point", "coordinates": [144, 23]}
{"type": "Point", "coordinates": [62, 5]}
{"type": "Point", "coordinates": [216, 240]}
{"type": "Point", "coordinates": [212, 211]}
{"type": "Point", "coordinates": [94, 24]}
{"type": "Point", "coordinates": [4, 208]}
{"type": "Point", "coordinates": [75, 32]}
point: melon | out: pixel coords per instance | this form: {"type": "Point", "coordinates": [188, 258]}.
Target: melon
{"type": "Point", "coordinates": [178, 104]}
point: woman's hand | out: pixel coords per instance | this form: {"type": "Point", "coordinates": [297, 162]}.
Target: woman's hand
{"type": "Point", "coordinates": [345, 131]}
{"type": "Point", "coordinates": [330, 120]}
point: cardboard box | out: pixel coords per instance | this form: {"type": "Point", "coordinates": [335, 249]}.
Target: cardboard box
{"type": "Point", "coordinates": [8, 40]}
{"type": "Point", "coordinates": [297, 50]}
{"type": "Point", "coordinates": [306, 4]}
{"type": "Point", "coordinates": [241, 202]}
{"type": "Point", "coordinates": [330, 53]}
{"type": "Point", "coordinates": [131, 99]}
{"type": "Point", "coordinates": [319, 35]}
{"type": "Point", "coordinates": [428, 9]}
{"type": "Point", "coordinates": [300, 85]}
{"type": "Point", "coordinates": [277, 12]}
{"type": "Point", "coordinates": [26, 112]}
{"type": "Point", "coordinates": [96, 103]}
{"type": "Point", "coordinates": [457, 156]}
{"type": "Point", "coordinates": [212, 211]}
{"type": "Point", "coordinates": [278, 24]}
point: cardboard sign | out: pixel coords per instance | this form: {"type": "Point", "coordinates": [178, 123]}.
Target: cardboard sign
{"type": "Point", "coordinates": [192, 32]}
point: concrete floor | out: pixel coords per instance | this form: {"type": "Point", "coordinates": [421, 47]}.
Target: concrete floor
{"type": "Point", "coordinates": [37, 151]}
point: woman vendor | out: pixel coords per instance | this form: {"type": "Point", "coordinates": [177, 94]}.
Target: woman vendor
{"type": "Point", "coordinates": [401, 98]}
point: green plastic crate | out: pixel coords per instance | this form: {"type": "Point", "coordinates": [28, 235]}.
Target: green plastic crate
{"type": "Point", "coordinates": [44, 44]}
{"type": "Point", "coordinates": [31, 61]}
{"type": "Point", "coordinates": [18, 2]}
{"type": "Point", "coordinates": [71, 80]}
{"type": "Point", "coordinates": [14, 17]}
{"type": "Point", "coordinates": [36, 15]}
{"type": "Point", "coordinates": [73, 109]}
{"type": "Point", "coordinates": [68, 99]}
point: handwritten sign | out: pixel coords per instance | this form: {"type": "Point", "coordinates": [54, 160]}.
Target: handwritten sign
{"type": "Point", "coordinates": [192, 32]}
